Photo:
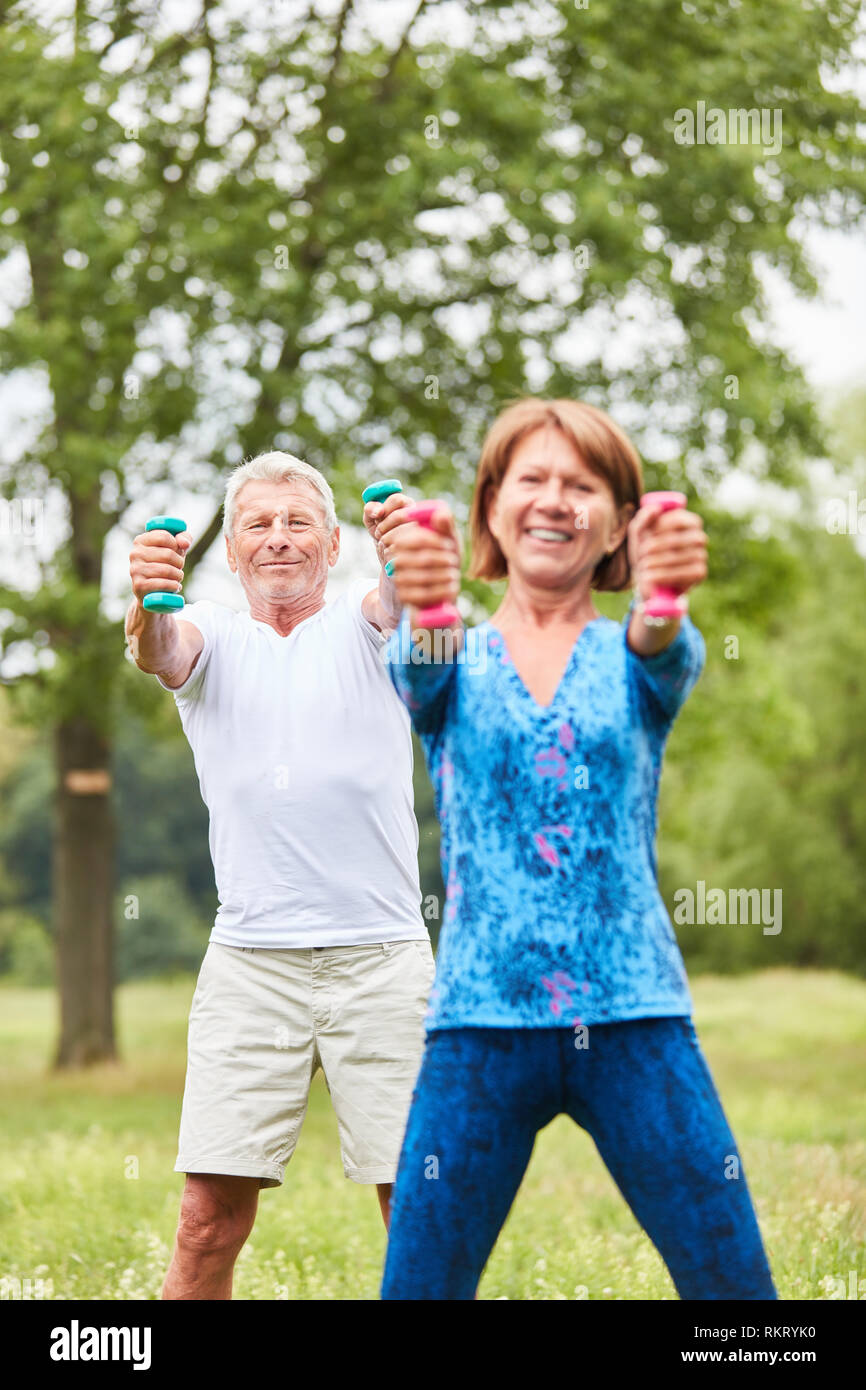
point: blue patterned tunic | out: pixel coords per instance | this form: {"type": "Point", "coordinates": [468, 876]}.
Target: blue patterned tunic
{"type": "Point", "coordinates": [548, 816]}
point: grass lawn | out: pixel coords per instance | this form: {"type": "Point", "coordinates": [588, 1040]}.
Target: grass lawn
{"type": "Point", "coordinates": [89, 1199]}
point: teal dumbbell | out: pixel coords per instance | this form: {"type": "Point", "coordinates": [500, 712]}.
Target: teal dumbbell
{"type": "Point", "coordinates": [164, 603]}
{"type": "Point", "coordinates": [377, 492]}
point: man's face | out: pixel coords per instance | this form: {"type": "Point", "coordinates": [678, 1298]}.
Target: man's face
{"type": "Point", "coordinates": [281, 548]}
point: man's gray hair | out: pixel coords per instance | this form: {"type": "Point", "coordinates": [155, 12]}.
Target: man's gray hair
{"type": "Point", "coordinates": [276, 467]}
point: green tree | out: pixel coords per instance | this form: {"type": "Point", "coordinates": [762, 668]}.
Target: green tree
{"type": "Point", "coordinates": [763, 783]}
{"type": "Point", "coordinates": [256, 233]}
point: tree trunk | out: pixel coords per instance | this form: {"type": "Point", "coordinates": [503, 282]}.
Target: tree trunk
{"type": "Point", "coordinates": [83, 888]}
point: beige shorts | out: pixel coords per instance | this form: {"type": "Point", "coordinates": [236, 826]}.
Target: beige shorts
{"type": "Point", "coordinates": [263, 1021]}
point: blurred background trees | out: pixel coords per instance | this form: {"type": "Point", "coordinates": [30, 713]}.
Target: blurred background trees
{"type": "Point", "coordinates": [310, 229]}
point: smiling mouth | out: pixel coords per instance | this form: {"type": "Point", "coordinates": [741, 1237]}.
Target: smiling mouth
{"type": "Point", "coordinates": [279, 564]}
{"type": "Point", "coordinates": [543, 533]}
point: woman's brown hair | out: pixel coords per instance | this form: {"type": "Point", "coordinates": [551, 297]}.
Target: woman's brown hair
{"type": "Point", "coordinates": [604, 447]}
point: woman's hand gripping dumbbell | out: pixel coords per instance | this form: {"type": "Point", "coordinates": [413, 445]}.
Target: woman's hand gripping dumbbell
{"type": "Point", "coordinates": [667, 554]}
{"type": "Point", "coordinates": [425, 561]}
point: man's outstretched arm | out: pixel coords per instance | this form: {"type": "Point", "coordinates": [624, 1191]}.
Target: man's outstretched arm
{"type": "Point", "coordinates": [161, 644]}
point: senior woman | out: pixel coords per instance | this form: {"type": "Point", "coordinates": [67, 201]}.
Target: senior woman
{"type": "Point", "coordinates": [559, 984]}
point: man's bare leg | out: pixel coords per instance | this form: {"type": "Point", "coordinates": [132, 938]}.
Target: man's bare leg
{"type": "Point", "coordinates": [384, 1190]}
{"type": "Point", "coordinates": [217, 1212]}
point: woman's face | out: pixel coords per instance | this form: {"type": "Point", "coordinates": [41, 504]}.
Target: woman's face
{"type": "Point", "coordinates": [553, 518]}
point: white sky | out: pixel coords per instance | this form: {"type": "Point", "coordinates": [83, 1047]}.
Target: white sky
{"type": "Point", "coordinates": [827, 336]}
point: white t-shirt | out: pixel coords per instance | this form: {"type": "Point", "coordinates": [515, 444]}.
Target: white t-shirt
{"type": "Point", "coordinates": [303, 751]}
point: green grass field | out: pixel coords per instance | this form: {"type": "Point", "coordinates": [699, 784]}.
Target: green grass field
{"type": "Point", "coordinates": [787, 1050]}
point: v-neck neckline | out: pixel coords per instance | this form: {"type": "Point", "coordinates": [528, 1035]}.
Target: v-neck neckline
{"type": "Point", "coordinates": [527, 693]}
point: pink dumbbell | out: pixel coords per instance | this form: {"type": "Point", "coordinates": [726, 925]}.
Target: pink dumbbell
{"type": "Point", "coordinates": [664, 605]}
{"type": "Point", "coordinates": [441, 614]}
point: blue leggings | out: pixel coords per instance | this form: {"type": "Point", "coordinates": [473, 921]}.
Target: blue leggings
{"type": "Point", "coordinates": [641, 1089]}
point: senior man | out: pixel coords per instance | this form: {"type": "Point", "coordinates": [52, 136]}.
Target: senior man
{"type": "Point", "coordinates": [318, 955]}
